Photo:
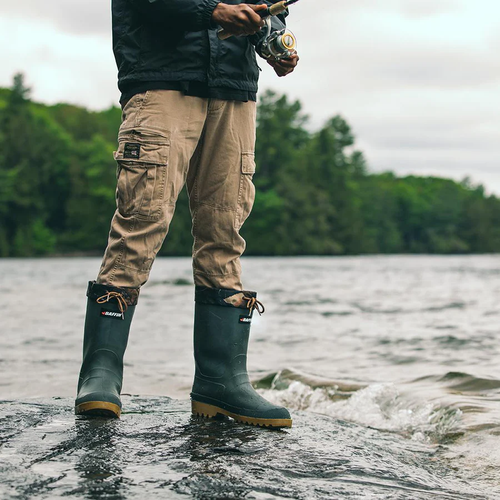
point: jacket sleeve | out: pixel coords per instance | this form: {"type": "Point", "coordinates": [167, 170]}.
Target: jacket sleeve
{"type": "Point", "coordinates": [186, 15]}
{"type": "Point", "coordinates": [277, 24]}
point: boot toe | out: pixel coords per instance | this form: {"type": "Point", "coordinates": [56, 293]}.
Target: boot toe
{"type": "Point", "coordinates": [274, 416]}
{"type": "Point", "coordinates": [278, 413]}
{"type": "Point", "coordinates": [98, 396]}
{"type": "Point", "coordinates": [98, 404]}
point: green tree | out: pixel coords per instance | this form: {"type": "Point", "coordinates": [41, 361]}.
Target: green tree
{"type": "Point", "coordinates": [34, 165]}
{"type": "Point", "coordinates": [315, 195]}
{"type": "Point", "coordinates": [280, 135]}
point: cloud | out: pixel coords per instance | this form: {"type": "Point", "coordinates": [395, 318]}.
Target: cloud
{"type": "Point", "coordinates": [418, 9]}
{"type": "Point", "coordinates": [60, 66]}
{"type": "Point", "coordinates": [75, 16]}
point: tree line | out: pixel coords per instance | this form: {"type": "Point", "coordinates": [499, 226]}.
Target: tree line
{"type": "Point", "coordinates": [315, 194]}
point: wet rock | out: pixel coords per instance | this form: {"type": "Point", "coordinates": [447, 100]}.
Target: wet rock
{"type": "Point", "coordinates": [158, 450]}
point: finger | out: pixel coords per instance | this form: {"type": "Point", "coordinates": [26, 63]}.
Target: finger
{"type": "Point", "coordinates": [258, 8]}
{"type": "Point", "coordinates": [251, 30]}
{"type": "Point", "coordinates": [284, 71]}
{"type": "Point", "coordinates": [280, 70]}
{"type": "Point", "coordinates": [290, 64]}
{"type": "Point", "coordinates": [273, 62]}
{"type": "Point", "coordinates": [292, 60]}
{"type": "Point", "coordinates": [287, 62]}
{"type": "Point", "coordinates": [286, 66]}
{"type": "Point", "coordinates": [253, 15]}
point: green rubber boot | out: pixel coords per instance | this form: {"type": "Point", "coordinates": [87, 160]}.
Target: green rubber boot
{"type": "Point", "coordinates": [221, 384]}
{"type": "Point", "coordinates": [107, 324]}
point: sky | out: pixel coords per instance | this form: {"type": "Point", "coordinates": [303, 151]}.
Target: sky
{"type": "Point", "coordinates": [418, 80]}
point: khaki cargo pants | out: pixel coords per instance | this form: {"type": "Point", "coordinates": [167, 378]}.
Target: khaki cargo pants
{"type": "Point", "coordinates": [167, 139]}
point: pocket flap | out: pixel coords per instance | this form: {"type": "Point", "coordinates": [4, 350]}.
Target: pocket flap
{"type": "Point", "coordinates": [142, 152]}
{"type": "Point", "coordinates": [248, 163]}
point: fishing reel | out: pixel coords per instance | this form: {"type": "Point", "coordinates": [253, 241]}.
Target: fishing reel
{"type": "Point", "coordinates": [278, 44]}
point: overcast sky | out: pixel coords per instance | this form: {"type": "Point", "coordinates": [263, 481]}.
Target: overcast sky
{"type": "Point", "coordinates": [418, 80]}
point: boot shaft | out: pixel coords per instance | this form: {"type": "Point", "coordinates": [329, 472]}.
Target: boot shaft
{"type": "Point", "coordinates": [221, 334]}
{"type": "Point", "coordinates": [220, 339]}
{"type": "Point", "coordinates": [107, 325]}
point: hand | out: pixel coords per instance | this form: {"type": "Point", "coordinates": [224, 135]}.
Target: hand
{"type": "Point", "coordinates": [284, 67]}
{"type": "Point", "coordinates": [237, 20]}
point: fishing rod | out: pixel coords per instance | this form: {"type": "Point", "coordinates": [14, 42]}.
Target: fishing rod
{"type": "Point", "coordinates": [278, 45]}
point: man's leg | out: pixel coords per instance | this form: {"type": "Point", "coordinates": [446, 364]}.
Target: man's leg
{"type": "Point", "coordinates": [158, 135]}
{"type": "Point", "coordinates": [221, 197]}
{"type": "Point", "coordinates": [221, 192]}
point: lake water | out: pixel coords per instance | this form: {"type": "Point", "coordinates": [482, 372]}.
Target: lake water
{"type": "Point", "coordinates": [389, 365]}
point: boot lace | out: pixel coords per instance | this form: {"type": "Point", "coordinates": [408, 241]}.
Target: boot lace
{"type": "Point", "coordinates": [122, 303]}
{"type": "Point", "coordinates": [253, 303]}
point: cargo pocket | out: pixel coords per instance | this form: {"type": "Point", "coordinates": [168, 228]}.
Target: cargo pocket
{"type": "Point", "coordinates": [246, 194]}
{"type": "Point", "coordinates": [141, 179]}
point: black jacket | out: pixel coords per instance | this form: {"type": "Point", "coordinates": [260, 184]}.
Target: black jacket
{"type": "Point", "coordinates": [175, 40]}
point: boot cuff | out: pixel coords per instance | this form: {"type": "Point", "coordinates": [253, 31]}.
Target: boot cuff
{"type": "Point", "coordinates": [219, 296]}
{"type": "Point", "coordinates": [96, 290]}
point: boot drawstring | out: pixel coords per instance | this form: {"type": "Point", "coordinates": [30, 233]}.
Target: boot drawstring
{"type": "Point", "coordinates": [253, 303]}
{"type": "Point", "coordinates": [122, 303]}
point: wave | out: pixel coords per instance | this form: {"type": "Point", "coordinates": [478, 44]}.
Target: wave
{"type": "Point", "coordinates": [382, 406]}
{"type": "Point", "coordinates": [461, 382]}
{"type": "Point", "coordinates": [398, 310]}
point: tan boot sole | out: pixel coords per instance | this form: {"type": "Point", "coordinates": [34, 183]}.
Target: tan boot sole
{"type": "Point", "coordinates": [98, 409]}
{"type": "Point", "coordinates": [210, 411]}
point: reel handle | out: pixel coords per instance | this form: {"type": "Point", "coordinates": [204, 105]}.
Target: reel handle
{"type": "Point", "coordinates": [222, 34]}
{"type": "Point", "coordinates": [274, 10]}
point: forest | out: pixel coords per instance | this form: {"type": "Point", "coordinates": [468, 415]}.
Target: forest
{"type": "Point", "coordinates": [315, 192]}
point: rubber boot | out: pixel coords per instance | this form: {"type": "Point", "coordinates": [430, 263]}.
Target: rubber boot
{"type": "Point", "coordinates": [221, 384]}
{"type": "Point", "coordinates": [107, 324]}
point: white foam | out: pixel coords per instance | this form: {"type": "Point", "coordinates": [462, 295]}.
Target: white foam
{"type": "Point", "coordinates": [380, 406]}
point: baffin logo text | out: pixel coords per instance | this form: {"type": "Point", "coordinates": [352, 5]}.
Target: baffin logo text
{"type": "Point", "coordinates": [245, 319]}
{"type": "Point", "coordinates": [111, 314]}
